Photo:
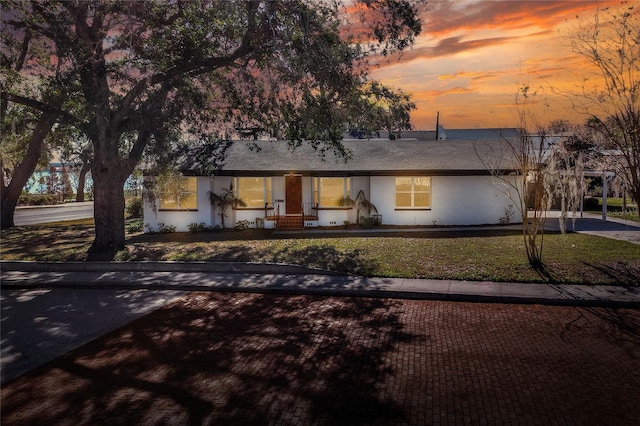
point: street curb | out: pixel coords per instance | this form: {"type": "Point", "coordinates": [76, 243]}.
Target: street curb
{"type": "Point", "coordinates": [373, 294]}
{"type": "Point", "coordinates": [204, 277]}
{"type": "Point", "coordinates": [169, 266]}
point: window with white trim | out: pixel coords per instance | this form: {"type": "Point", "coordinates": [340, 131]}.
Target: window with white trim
{"type": "Point", "coordinates": [413, 192]}
{"type": "Point", "coordinates": [254, 191]}
{"type": "Point", "coordinates": [331, 191]}
{"type": "Point", "coordinates": [180, 194]}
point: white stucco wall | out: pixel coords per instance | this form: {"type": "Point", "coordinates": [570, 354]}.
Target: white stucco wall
{"type": "Point", "coordinates": [360, 183]}
{"type": "Point", "coordinates": [472, 200]}
{"type": "Point", "coordinates": [181, 219]}
{"type": "Point", "coordinates": [307, 189]}
{"type": "Point", "coordinates": [335, 217]}
{"type": "Point", "coordinates": [455, 200]}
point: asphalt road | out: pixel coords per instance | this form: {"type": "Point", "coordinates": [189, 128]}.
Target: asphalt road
{"type": "Point", "coordinates": [39, 325]}
{"type": "Point", "coordinates": [231, 358]}
{"type": "Point", "coordinates": [42, 214]}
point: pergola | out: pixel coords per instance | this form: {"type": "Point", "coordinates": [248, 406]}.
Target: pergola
{"type": "Point", "coordinates": [605, 187]}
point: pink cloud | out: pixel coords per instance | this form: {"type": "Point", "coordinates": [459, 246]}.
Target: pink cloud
{"type": "Point", "coordinates": [447, 16]}
{"type": "Point", "coordinates": [451, 46]}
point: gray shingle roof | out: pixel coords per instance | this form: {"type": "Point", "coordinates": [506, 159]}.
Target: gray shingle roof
{"type": "Point", "coordinates": [368, 157]}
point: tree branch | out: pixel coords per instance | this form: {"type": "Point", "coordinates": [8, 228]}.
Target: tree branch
{"type": "Point", "coordinates": [194, 68]}
{"type": "Point", "coordinates": [23, 51]}
{"type": "Point", "coordinates": [138, 148]}
{"type": "Point", "coordinates": [45, 108]}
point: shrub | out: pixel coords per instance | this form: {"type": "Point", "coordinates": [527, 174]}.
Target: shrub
{"type": "Point", "coordinates": [166, 229]}
{"type": "Point", "coordinates": [135, 207]}
{"type": "Point", "coordinates": [135, 226]}
{"type": "Point", "coordinates": [369, 222]}
{"type": "Point", "coordinates": [37, 200]}
{"type": "Point", "coordinates": [162, 229]}
{"type": "Point", "coordinates": [591, 203]}
{"type": "Point", "coordinates": [242, 225]}
{"type": "Point", "coordinates": [197, 227]}
{"type": "Point", "coordinates": [508, 215]}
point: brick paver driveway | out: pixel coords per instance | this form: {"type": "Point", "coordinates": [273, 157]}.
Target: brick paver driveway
{"type": "Point", "coordinates": [214, 358]}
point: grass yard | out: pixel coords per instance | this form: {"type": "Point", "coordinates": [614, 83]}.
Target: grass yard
{"type": "Point", "coordinates": [470, 255]}
{"type": "Point", "coordinates": [614, 209]}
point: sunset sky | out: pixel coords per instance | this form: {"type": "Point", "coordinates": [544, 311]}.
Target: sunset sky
{"type": "Point", "coordinates": [474, 55]}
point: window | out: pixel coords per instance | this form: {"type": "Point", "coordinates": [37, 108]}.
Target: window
{"type": "Point", "coordinates": [180, 194]}
{"type": "Point", "coordinates": [254, 191]}
{"type": "Point", "coordinates": [413, 192]}
{"type": "Point", "coordinates": [331, 192]}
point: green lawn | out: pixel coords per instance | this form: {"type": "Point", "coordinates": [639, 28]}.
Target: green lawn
{"type": "Point", "coordinates": [614, 209]}
{"type": "Point", "coordinates": [471, 255]}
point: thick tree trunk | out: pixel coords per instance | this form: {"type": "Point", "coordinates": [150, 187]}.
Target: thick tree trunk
{"type": "Point", "coordinates": [82, 179]}
{"type": "Point", "coordinates": [11, 193]}
{"type": "Point", "coordinates": [109, 175]}
{"type": "Point", "coordinates": [109, 172]}
{"type": "Point", "coordinates": [9, 202]}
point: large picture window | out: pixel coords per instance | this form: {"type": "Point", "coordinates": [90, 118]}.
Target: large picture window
{"type": "Point", "coordinates": [254, 191]}
{"type": "Point", "coordinates": [413, 192]}
{"type": "Point", "coordinates": [180, 194]}
{"type": "Point", "coordinates": [331, 191]}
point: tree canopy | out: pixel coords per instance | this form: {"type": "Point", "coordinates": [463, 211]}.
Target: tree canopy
{"type": "Point", "coordinates": [132, 76]}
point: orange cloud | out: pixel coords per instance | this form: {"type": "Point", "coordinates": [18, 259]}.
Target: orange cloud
{"type": "Point", "coordinates": [446, 17]}
{"type": "Point", "coordinates": [473, 76]}
{"type": "Point", "coordinates": [451, 46]}
{"type": "Point", "coordinates": [435, 93]}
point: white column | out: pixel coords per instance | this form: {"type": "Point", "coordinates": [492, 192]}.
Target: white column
{"type": "Point", "coordinates": [605, 189]}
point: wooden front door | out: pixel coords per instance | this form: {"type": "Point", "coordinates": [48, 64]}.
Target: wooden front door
{"type": "Point", "coordinates": [293, 194]}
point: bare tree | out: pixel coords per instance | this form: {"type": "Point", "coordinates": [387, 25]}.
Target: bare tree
{"type": "Point", "coordinates": [564, 178]}
{"type": "Point", "coordinates": [518, 166]}
{"type": "Point", "coordinates": [610, 95]}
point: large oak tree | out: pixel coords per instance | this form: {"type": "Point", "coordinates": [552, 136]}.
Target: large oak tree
{"type": "Point", "coordinates": [23, 129]}
{"type": "Point", "coordinates": [133, 75]}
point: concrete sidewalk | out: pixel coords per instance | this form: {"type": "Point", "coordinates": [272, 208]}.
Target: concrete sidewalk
{"type": "Point", "coordinates": [590, 223]}
{"type": "Point", "coordinates": [275, 278]}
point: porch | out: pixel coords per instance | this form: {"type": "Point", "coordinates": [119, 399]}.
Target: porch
{"type": "Point", "coordinates": [307, 218]}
